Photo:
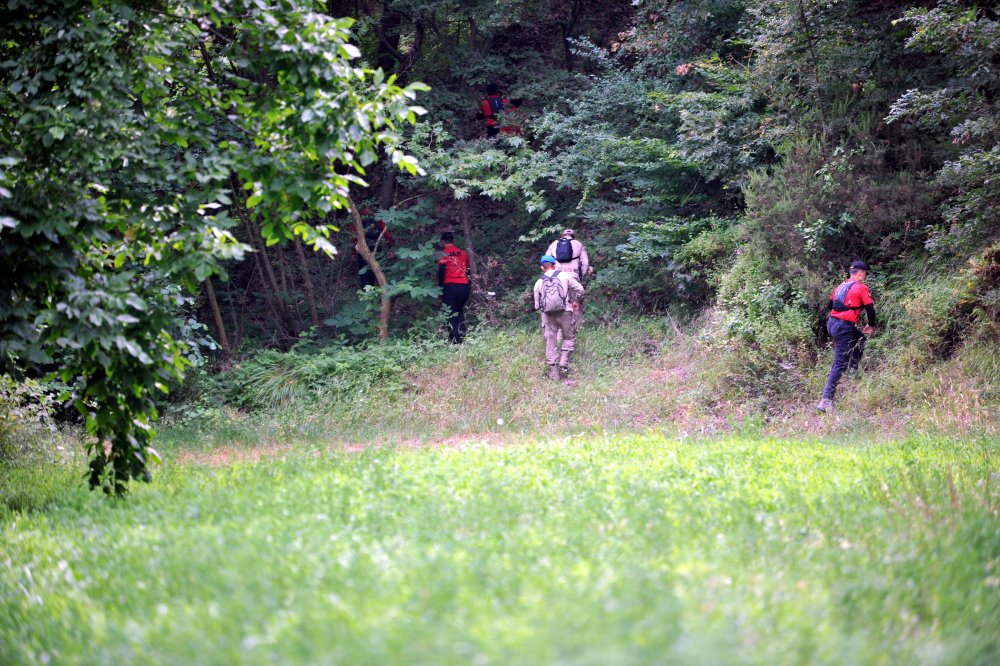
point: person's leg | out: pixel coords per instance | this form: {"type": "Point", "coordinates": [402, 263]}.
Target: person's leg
{"type": "Point", "coordinates": [550, 329]}
{"type": "Point", "coordinates": [365, 275]}
{"type": "Point", "coordinates": [451, 297]}
{"type": "Point", "coordinates": [462, 297]}
{"type": "Point", "coordinates": [568, 326]}
{"type": "Point", "coordinates": [841, 331]}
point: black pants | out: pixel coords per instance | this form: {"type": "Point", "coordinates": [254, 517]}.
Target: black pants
{"type": "Point", "coordinates": [848, 346]}
{"type": "Point", "coordinates": [455, 296]}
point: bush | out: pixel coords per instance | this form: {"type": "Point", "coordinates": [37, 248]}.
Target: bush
{"type": "Point", "coordinates": [28, 431]}
{"type": "Point", "coordinates": [765, 329]}
{"type": "Point", "coordinates": [271, 379]}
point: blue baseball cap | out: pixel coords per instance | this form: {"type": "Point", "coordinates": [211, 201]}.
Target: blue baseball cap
{"type": "Point", "coordinates": [547, 259]}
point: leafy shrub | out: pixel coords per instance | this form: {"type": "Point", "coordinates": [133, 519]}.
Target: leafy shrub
{"type": "Point", "coordinates": [765, 329]}
{"type": "Point", "coordinates": [673, 260]}
{"type": "Point", "coordinates": [28, 431]}
{"type": "Point", "coordinates": [273, 379]}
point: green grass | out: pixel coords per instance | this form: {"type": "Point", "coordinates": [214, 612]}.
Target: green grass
{"type": "Point", "coordinates": [579, 550]}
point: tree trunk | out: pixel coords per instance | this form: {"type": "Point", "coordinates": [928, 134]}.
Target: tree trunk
{"type": "Point", "coordinates": [287, 284]}
{"type": "Point", "coordinates": [307, 282]}
{"type": "Point", "coordinates": [463, 214]}
{"type": "Point", "coordinates": [262, 261]}
{"type": "Point", "coordinates": [387, 197]}
{"type": "Point", "coordinates": [383, 283]}
{"type": "Point", "coordinates": [217, 316]}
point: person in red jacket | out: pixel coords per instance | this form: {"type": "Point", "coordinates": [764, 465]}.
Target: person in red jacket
{"type": "Point", "coordinates": [491, 107]}
{"type": "Point", "coordinates": [453, 278]}
{"type": "Point", "coordinates": [846, 304]}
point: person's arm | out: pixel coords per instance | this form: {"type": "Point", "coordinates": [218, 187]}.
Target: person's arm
{"type": "Point", "coordinates": [584, 261]}
{"type": "Point", "coordinates": [870, 312]}
{"type": "Point", "coordinates": [440, 274]}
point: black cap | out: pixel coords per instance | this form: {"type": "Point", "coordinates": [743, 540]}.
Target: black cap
{"type": "Point", "coordinates": [860, 265]}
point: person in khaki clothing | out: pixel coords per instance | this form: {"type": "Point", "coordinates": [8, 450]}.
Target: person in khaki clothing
{"type": "Point", "coordinates": [556, 293]}
{"type": "Point", "coordinates": [571, 256]}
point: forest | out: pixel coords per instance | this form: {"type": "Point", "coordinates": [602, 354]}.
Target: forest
{"type": "Point", "coordinates": [220, 234]}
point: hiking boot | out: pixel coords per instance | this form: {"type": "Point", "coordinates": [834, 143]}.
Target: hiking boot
{"type": "Point", "coordinates": [554, 372]}
{"type": "Point", "coordinates": [563, 371]}
{"type": "Point", "coordinates": [825, 405]}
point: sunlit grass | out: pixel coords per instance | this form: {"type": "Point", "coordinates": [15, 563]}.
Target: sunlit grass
{"type": "Point", "coordinates": [592, 550]}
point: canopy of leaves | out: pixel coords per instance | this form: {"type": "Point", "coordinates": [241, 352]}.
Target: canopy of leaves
{"type": "Point", "coordinates": [130, 131]}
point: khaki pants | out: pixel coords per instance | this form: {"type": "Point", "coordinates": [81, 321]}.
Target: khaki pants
{"type": "Point", "coordinates": [554, 325]}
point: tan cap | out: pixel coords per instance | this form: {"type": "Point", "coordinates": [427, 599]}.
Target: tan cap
{"type": "Point", "coordinates": [568, 232]}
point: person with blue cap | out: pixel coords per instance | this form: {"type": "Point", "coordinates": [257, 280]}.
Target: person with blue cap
{"type": "Point", "coordinates": [556, 292]}
{"type": "Point", "coordinates": [846, 304]}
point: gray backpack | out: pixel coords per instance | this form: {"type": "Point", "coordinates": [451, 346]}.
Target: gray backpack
{"type": "Point", "coordinates": [553, 296]}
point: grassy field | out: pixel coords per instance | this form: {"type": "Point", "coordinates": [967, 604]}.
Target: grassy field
{"type": "Point", "coordinates": [577, 550]}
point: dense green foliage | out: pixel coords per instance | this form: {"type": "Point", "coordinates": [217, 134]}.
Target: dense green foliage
{"type": "Point", "coordinates": [132, 137]}
{"type": "Point", "coordinates": [722, 160]}
{"type": "Point", "coordinates": [580, 550]}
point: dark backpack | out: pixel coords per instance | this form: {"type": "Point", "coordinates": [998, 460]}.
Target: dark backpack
{"type": "Point", "coordinates": [553, 296]}
{"type": "Point", "coordinates": [840, 297]}
{"type": "Point", "coordinates": [564, 250]}
{"type": "Point", "coordinates": [372, 232]}
{"type": "Point", "coordinates": [496, 104]}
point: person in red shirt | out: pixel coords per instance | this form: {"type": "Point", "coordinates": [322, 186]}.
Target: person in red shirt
{"type": "Point", "coordinates": [491, 107]}
{"type": "Point", "coordinates": [453, 278]}
{"type": "Point", "coordinates": [846, 304]}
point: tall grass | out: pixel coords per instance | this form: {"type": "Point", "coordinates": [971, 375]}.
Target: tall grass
{"type": "Point", "coordinates": [578, 550]}
{"type": "Point", "coordinates": [636, 375]}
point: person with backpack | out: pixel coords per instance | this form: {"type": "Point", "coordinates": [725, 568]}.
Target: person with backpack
{"type": "Point", "coordinates": [571, 256]}
{"type": "Point", "coordinates": [491, 108]}
{"type": "Point", "coordinates": [378, 238]}
{"type": "Point", "coordinates": [453, 278]}
{"type": "Point", "coordinates": [846, 304]}
{"type": "Point", "coordinates": [555, 293]}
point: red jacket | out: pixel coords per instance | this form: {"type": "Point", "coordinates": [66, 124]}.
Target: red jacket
{"type": "Point", "coordinates": [857, 298]}
{"type": "Point", "coordinates": [487, 108]}
{"type": "Point", "coordinates": [456, 265]}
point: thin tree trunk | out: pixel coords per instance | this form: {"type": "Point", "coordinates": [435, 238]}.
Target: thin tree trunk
{"type": "Point", "coordinates": [286, 287]}
{"type": "Point", "coordinates": [387, 197]}
{"type": "Point", "coordinates": [237, 328]}
{"type": "Point", "coordinates": [815, 70]}
{"type": "Point", "coordinates": [307, 282]}
{"type": "Point", "coordinates": [263, 263]}
{"type": "Point", "coordinates": [217, 316]}
{"type": "Point", "coordinates": [383, 283]}
{"type": "Point", "coordinates": [463, 214]}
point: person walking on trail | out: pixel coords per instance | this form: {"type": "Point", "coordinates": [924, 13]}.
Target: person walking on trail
{"type": "Point", "coordinates": [453, 278]}
{"type": "Point", "coordinates": [846, 304]}
{"type": "Point", "coordinates": [555, 294]}
{"type": "Point", "coordinates": [571, 256]}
